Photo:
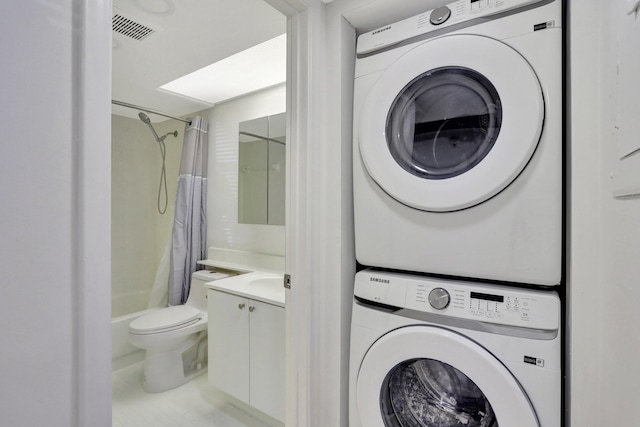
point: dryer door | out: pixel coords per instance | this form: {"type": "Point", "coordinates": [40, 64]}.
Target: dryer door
{"type": "Point", "coordinates": [451, 123]}
{"type": "Point", "coordinates": [430, 376]}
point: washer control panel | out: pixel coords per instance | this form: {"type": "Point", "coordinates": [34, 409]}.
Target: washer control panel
{"type": "Point", "coordinates": [505, 305]}
{"type": "Point", "coordinates": [442, 17]}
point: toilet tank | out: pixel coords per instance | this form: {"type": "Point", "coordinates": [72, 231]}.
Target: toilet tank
{"type": "Point", "coordinates": [197, 293]}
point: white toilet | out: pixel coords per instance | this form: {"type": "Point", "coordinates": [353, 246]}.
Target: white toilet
{"type": "Point", "coordinates": [175, 338]}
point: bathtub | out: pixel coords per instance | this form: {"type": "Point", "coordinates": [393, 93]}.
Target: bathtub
{"type": "Point", "coordinates": [123, 352]}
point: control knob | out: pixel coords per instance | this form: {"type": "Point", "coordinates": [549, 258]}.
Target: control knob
{"type": "Point", "coordinates": [439, 298]}
{"type": "Point", "coordinates": [440, 15]}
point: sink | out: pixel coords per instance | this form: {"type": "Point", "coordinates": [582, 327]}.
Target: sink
{"type": "Point", "coordinates": [268, 282]}
{"type": "Point", "coordinates": [271, 284]}
{"type": "Point", "coordinates": [262, 286]}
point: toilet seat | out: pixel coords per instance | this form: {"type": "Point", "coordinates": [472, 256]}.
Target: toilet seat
{"type": "Point", "coordinates": [166, 319]}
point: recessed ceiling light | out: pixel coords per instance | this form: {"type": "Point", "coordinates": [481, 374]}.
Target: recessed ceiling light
{"type": "Point", "coordinates": [256, 68]}
{"type": "Point", "coordinates": [156, 7]}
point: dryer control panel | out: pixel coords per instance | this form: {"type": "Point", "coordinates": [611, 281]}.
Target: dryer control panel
{"type": "Point", "coordinates": [446, 16]}
{"type": "Point", "coordinates": [497, 304]}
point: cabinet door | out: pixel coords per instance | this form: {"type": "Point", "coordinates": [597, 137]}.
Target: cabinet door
{"type": "Point", "coordinates": [229, 344]}
{"type": "Point", "coordinates": [267, 336]}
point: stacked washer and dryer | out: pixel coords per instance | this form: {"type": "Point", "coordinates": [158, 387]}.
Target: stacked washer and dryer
{"type": "Point", "coordinates": [458, 198]}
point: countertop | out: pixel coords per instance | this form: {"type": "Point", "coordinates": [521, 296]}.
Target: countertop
{"type": "Point", "coordinates": [265, 286]}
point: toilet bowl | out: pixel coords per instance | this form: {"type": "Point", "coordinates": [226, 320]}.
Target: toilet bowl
{"type": "Point", "coordinates": [175, 338]}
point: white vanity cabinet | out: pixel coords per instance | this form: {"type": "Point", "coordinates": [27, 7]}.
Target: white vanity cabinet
{"type": "Point", "coordinates": [247, 351]}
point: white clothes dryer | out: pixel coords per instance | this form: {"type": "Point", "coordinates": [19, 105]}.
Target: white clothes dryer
{"type": "Point", "coordinates": [458, 147]}
{"type": "Point", "coordinates": [435, 352]}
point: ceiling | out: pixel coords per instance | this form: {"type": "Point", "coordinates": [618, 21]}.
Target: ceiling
{"type": "Point", "coordinates": [187, 35]}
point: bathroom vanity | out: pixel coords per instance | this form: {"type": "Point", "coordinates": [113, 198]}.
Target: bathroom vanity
{"type": "Point", "coordinates": [247, 339]}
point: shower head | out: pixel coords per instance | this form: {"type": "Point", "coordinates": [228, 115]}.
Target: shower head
{"type": "Point", "coordinates": [144, 118]}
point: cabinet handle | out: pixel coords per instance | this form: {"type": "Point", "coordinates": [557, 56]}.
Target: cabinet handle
{"type": "Point", "coordinates": [240, 306]}
{"type": "Point", "coordinates": [251, 308]}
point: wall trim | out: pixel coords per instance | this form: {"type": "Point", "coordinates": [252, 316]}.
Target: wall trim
{"type": "Point", "coordinates": [91, 215]}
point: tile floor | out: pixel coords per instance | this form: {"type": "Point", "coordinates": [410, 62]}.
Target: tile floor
{"type": "Point", "coordinates": [194, 404]}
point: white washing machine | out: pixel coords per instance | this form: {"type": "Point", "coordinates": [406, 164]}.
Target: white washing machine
{"type": "Point", "coordinates": [429, 352]}
{"type": "Point", "coordinates": [458, 152]}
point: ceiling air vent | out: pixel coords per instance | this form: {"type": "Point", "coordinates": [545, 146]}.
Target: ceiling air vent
{"type": "Point", "coordinates": [130, 28]}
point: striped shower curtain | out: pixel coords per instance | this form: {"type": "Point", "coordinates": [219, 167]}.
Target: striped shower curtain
{"type": "Point", "coordinates": [190, 222]}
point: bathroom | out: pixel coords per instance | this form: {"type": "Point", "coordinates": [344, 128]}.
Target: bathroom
{"type": "Point", "coordinates": [145, 171]}
{"type": "Point", "coordinates": [223, 211]}
{"type": "Point", "coordinates": [72, 383]}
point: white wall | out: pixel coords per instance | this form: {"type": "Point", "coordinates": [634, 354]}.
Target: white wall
{"type": "Point", "coordinates": [54, 219]}
{"type": "Point", "coordinates": [586, 255]}
{"type": "Point", "coordinates": [223, 230]}
{"type": "Point", "coordinates": [36, 166]}
{"type": "Point", "coordinates": [138, 230]}
{"type": "Point", "coordinates": [605, 231]}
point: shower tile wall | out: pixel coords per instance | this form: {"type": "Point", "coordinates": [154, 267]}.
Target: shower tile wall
{"type": "Point", "coordinates": [138, 230]}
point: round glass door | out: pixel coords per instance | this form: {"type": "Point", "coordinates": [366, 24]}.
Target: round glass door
{"type": "Point", "coordinates": [428, 376]}
{"type": "Point", "coordinates": [427, 392]}
{"type": "Point", "coordinates": [444, 122]}
{"type": "Point", "coordinates": [451, 123]}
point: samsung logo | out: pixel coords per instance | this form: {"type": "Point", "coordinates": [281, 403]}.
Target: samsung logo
{"type": "Point", "coordinates": [381, 30]}
{"type": "Point", "coordinates": [378, 280]}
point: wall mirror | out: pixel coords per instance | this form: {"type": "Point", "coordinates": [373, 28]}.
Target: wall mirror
{"type": "Point", "coordinates": [261, 170]}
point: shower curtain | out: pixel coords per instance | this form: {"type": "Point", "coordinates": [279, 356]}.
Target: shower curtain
{"type": "Point", "coordinates": [190, 214]}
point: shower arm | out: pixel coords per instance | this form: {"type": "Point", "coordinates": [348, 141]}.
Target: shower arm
{"type": "Point", "coordinates": [162, 138]}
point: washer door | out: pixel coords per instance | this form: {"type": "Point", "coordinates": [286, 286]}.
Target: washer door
{"type": "Point", "coordinates": [420, 376]}
{"type": "Point", "coordinates": [451, 123]}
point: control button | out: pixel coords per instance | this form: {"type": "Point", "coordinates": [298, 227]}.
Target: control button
{"type": "Point", "coordinates": [439, 298]}
{"type": "Point", "coordinates": [440, 15]}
